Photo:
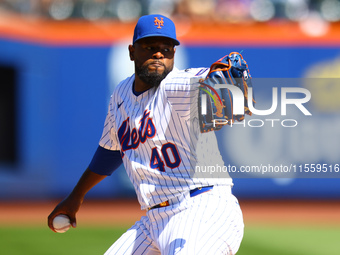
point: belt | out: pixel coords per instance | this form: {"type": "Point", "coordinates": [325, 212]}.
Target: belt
{"type": "Point", "coordinates": [193, 193]}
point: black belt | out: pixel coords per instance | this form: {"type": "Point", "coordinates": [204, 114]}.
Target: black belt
{"type": "Point", "coordinates": [193, 192]}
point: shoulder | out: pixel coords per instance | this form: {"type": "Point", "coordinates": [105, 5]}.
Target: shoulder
{"type": "Point", "coordinates": [185, 76]}
{"type": "Point", "coordinates": [197, 72]}
{"type": "Point", "coordinates": [121, 91]}
{"type": "Point", "coordinates": [123, 88]}
{"type": "Point", "coordinates": [189, 73]}
{"type": "Point", "coordinates": [124, 84]}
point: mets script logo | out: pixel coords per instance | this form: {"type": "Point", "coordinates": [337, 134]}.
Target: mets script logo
{"type": "Point", "coordinates": [159, 22]}
{"type": "Point", "coordinates": [131, 139]}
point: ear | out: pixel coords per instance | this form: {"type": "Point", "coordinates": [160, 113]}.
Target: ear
{"type": "Point", "coordinates": [131, 52]}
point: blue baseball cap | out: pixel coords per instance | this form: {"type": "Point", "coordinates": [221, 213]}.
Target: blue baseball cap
{"type": "Point", "coordinates": [155, 25]}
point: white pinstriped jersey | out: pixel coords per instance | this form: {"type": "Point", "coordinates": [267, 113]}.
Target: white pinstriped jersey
{"type": "Point", "coordinates": [158, 138]}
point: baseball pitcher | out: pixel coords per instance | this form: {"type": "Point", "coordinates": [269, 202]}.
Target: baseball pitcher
{"type": "Point", "coordinates": [156, 126]}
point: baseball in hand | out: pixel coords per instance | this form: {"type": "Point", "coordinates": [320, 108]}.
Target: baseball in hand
{"type": "Point", "coordinates": [61, 223]}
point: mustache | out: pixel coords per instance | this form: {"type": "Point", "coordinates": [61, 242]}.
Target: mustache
{"type": "Point", "coordinates": [157, 62]}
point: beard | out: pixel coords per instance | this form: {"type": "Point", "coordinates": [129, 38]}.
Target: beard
{"type": "Point", "coordinates": [151, 78]}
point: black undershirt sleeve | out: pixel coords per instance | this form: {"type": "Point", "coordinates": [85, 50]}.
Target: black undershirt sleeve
{"type": "Point", "coordinates": [105, 162]}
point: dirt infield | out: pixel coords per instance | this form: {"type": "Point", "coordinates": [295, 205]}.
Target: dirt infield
{"type": "Point", "coordinates": [126, 212]}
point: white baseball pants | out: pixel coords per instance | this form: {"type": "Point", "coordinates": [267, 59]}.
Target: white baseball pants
{"type": "Point", "coordinates": [209, 223]}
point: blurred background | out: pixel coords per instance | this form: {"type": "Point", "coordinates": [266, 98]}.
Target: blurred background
{"type": "Point", "coordinates": [60, 60]}
{"type": "Point", "coordinates": [216, 10]}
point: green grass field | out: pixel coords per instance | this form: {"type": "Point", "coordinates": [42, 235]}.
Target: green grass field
{"type": "Point", "coordinates": [269, 240]}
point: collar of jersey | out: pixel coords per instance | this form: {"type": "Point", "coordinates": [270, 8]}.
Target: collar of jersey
{"type": "Point", "coordinates": [135, 92]}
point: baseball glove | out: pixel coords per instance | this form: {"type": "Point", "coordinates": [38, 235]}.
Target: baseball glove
{"type": "Point", "coordinates": [215, 101]}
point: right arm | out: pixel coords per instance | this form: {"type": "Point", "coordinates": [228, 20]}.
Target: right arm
{"type": "Point", "coordinates": [71, 204]}
{"type": "Point", "coordinates": [103, 164]}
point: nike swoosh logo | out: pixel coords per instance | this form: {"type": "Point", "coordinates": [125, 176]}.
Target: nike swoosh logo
{"type": "Point", "coordinates": [120, 104]}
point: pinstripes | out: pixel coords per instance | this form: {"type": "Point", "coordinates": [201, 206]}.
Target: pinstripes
{"type": "Point", "coordinates": [171, 120]}
{"type": "Point", "coordinates": [204, 225]}
{"type": "Point", "coordinates": [210, 223]}
{"type": "Point", "coordinates": [224, 227]}
{"type": "Point", "coordinates": [135, 241]}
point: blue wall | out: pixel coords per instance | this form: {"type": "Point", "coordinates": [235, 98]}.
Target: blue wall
{"type": "Point", "coordinates": [63, 94]}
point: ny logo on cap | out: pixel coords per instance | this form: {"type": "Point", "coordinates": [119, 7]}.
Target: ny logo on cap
{"type": "Point", "coordinates": [158, 22]}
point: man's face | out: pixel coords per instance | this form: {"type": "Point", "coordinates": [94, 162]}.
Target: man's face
{"type": "Point", "coordinates": [154, 59]}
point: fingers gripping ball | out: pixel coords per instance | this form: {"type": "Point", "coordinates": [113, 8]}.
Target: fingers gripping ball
{"type": "Point", "coordinates": [61, 223]}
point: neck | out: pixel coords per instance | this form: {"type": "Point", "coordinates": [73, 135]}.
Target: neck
{"type": "Point", "coordinates": [141, 86]}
